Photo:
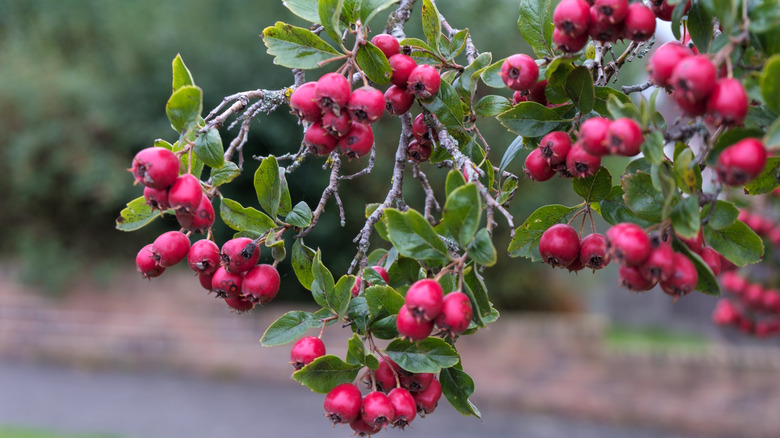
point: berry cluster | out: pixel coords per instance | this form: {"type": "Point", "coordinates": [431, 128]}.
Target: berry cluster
{"type": "Point", "coordinates": [426, 306]}
{"type": "Point", "coordinates": [751, 307]}
{"type": "Point", "coordinates": [598, 137]}
{"type": "Point", "coordinates": [605, 21]}
{"type": "Point", "coordinates": [561, 247]}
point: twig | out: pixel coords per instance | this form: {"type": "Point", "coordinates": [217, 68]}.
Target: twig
{"type": "Point", "coordinates": [628, 89]}
{"type": "Point", "coordinates": [430, 199]}
{"type": "Point", "coordinates": [367, 170]}
{"type": "Point", "coordinates": [471, 50]}
{"type": "Point", "coordinates": [330, 190]}
{"type": "Point", "coordinates": [397, 20]}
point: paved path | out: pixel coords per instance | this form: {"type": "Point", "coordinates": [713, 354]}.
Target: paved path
{"type": "Point", "coordinates": [156, 405]}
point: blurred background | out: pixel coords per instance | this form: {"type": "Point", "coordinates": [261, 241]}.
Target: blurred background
{"type": "Point", "coordinates": [88, 347]}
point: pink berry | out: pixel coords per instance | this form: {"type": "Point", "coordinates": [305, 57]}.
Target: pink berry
{"type": "Point", "coordinates": [412, 328]}
{"type": "Point", "coordinates": [424, 299]}
{"type": "Point", "coordinates": [156, 198]}
{"type": "Point", "coordinates": [684, 278]}
{"type": "Point", "coordinates": [146, 263]}
{"type": "Point", "coordinates": [423, 82]}
{"type": "Point", "coordinates": [693, 79]}
{"type": "Point", "coordinates": [342, 403]}
{"type": "Point", "coordinates": [170, 248]}
{"type": "Point", "coordinates": [419, 152]}
{"type": "Point", "coordinates": [304, 104]}
{"type": "Point", "coordinates": [240, 254]}
{"type": "Point", "coordinates": [358, 281]}
{"type": "Point", "coordinates": [332, 92]}
{"type": "Point", "coordinates": [261, 284]}
{"type": "Point", "coordinates": [628, 243]}
{"type": "Point", "coordinates": [593, 251]}
{"type": "Point", "coordinates": [336, 125]}
{"type": "Point", "coordinates": [711, 258]}
{"type": "Point", "coordinates": [555, 146]}
{"type": "Point", "coordinates": [728, 103]}
{"type": "Point", "coordinates": [741, 162]}
{"type": "Point", "coordinates": [572, 17]}
{"type": "Point", "coordinates": [363, 429]}
{"type": "Point", "coordinates": [397, 100]}
{"type": "Point", "coordinates": [427, 399]}
{"type": "Point", "coordinates": [404, 407]}
{"type": "Point", "coordinates": [594, 136]}
{"type": "Point", "coordinates": [387, 44]}
{"type": "Point", "coordinates": [358, 141]}
{"type": "Point", "coordinates": [664, 60]}
{"type": "Point", "coordinates": [581, 164]}
{"type": "Point", "coordinates": [385, 375]}
{"type": "Point", "coordinates": [226, 284]}
{"type": "Point", "coordinates": [155, 167]}
{"type": "Point", "coordinates": [366, 105]}
{"type": "Point", "coordinates": [199, 221]}
{"type": "Point", "coordinates": [625, 137]}
{"type": "Point", "coordinates": [306, 350]}
{"type": "Point", "coordinates": [602, 28]}
{"type": "Point", "coordinates": [205, 280]}
{"type": "Point", "coordinates": [663, 10]}
{"type": "Point", "coordinates": [725, 313]}
{"type": "Point", "coordinates": [519, 72]}
{"type": "Point", "coordinates": [402, 65]}
{"type": "Point", "coordinates": [659, 263]}
{"type": "Point", "coordinates": [536, 166]}
{"type": "Point", "coordinates": [559, 245]}
{"type": "Point", "coordinates": [639, 24]}
{"type": "Point", "coordinates": [456, 313]}
{"type": "Point", "coordinates": [319, 140]}
{"type": "Point", "coordinates": [203, 257]}
{"type": "Point", "coordinates": [612, 11]}
{"type": "Point", "coordinates": [239, 303]}
{"type": "Point", "coordinates": [633, 280]}
{"type": "Point", "coordinates": [185, 193]}
{"type": "Point", "coordinates": [569, 44]}
{"type": "Point", "coordinates": [377, 409]}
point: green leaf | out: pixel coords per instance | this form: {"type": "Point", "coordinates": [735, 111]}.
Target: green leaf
{"type": "Point", "coordinates": [455, 46]}
{"type": "Point", "coordinates": [136, 215]}
{"type": "Point", "coordinates": [295, 47]}
{"type": "Point", "coordinates": [700, 26]}
{"type": "Point", "coordinates": [507, 189]}
{"type": "Point", "coordinates": [602, 97]}
{"type": "Point", "coordinates": [268, 185]}
{"type": "Point", "coordinates": [300, 216]}
{"type": "Point", "coordinates": [462, 213]}
{"type": "Point", "coordinates": [385, 328]}
{"type": "Point", "coordinates": [431, 24]}
{"type": "Point", "coordinates": [530, 119]}
{"type": "Point", "coordinates": [481, 249]}
{"type": "Point", "coordinates": [466, 83]}
{"type": "Point", "coordinates": [477, 291]}
{"type": "Point", "coordinates": [707, 282]}
{"type": "Point", "coordinates": [225, 174]}
{"type": "Point", "coordinates": [181, 74]}
{"type": "Point", "coordinates": [413, 236]}
{"type": "Point", "coordinates": [208, 148]}
{"type": "Point", "coordinates": [737, 242]}
{"type": "Point", "coordinates": [594, 188]}
{"type": "Point", "coordinates": [653, 147]}
{"type": "Point", "coordinates": [536, 25]}
{"type": "Point", "coordinates": [374, 64]}
{"type": "Point", "coordinates": [764, 16]}
{"type": "Point", "coordinates": [427, 356]}
{"type": "Point", "coordinates": [772, 137]}
{"type": "Point", "coordinates": [358, 314]}
{"type": "Point", "coordinates": [447, 107]}
{"type": "Point", "coordinates": [614, 209]}
{"type": "Point", "coordinates": [240, 218]}
{"type": "Point", "coordinates": [325, 373]}
{"type": "Point", "coordinates": [454, 180]}
{"type": "Point", "coordinates": [687, 173]}
{"type": "Point", "coordinates": [490, 75]}
{"type": "Point", "coordinates": [579, 88]}
{"type": "Point", "coordinates": [511, 152]}
{"type": "Point", "coordinates": [526, 240]}
{"type": "Point", "coordinates": [356, 351]}
{"type": "Point", "coordinates": [641, 197]}
{"type": "Point", "coordinates": [557, 73]}
{"type": "Point", "coordinates": [184, 107]}
{"type": "Point", "coordinates": [767, 180]}
{"type": "Point", "coordinates": [723, 215]}
{"type": "Point", "coordinates": [306, 9]}
{"type": "Point", "coordinates": [457, 387]}
{"type": "Point", "coordinates": [330, 14]}
{"type": "Point", "coordinates": [492, 105]}
{"type": "Point", "coordinates": [288, 328]}
{"type": "Point", "coordinates": [302, 260]}
{"type": "Point", "coordinates": [285, 203]}
{"type": "Point", "coordinates": [322, 281]}
{"type": "Point", "coordinates": [369, 8]}
{"type": "Point", "coordinates": [685, 217]}
{"type": "Point", "coordinates": [339, 296]}
{"type": "Point", "coordinates": [618, 108]}
{"type": "Point", "coordinates": [677, 14]}
{"type": "Point", "coordinates": [382, 301]}
{"type": "Point", "coordinates": [770, 87]}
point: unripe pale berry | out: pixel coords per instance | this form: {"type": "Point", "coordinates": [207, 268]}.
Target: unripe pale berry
{"type": "Point", "coordinates": [155, 167]}
{"type": "Point", "coordinates": [357, 142]}
{"type": "Point", "coordinates": [455, 314]}
{"type": "Point", "coordinates": [387, 44]}
{"type": "Point", "coordinates": [305, 351]}
{"type": "Point", "coordinates": [402, 65]}
{"type": "Point", "coordinates": [559, 245]}
{"type": "Point", "coordinates": [664, 60]}
{"type": "Point", "coordinates": [332, 92]}
{"type": "Point", "coordinates": [203, 257]}
{"type": "Point", "coordinates": [741, 162]}
{"type": "Point", "coordinates": [423, 82]}
{"type": "Point", "coordinates": [536, 166]}
{"type": "Point", "coordinates": [146, 263]}
{"type": "Point", "coordinates": [170, 248]}
{"type": "Point", "coordinates": [728, 103]}
{"type": "Point", "coordinates": [185, 193]}
{"type": "Point", "coordinates": [303, 103]}
{"type": "Point", "coordinates": [519, 72]}
{"type": "Point", "coordinates": [261, 284]}
{"type": "Point", "coordinates": [240, 254]}
{"type": "Point", "coordinates": [342, 403]}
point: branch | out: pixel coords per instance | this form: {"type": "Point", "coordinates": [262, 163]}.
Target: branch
{"type": "Point", "coordinates": [471, 49]}
{"type": "Point", "coordinates": [397, 20]}
{"type": "Point", "coordinates": [430, 199]}
{"type": "Point", "coordinates": [330, 190]}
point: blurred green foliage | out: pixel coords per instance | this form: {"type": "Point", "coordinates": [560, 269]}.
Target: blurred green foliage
{"type": "Point", "coordinates": [83, 85]}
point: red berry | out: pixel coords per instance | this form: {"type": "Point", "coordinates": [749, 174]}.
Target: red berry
{"type": "Point", "coordinates": [205, 280]}
{"type": "Point", "coordinates": [575, 266]}
{"type": "Point", "coordinates": [332, 92]}
{"type": "Point", "coordinates": [741, 162]}
{"type": "Point", "coordinates": [664, 60]}
{"type": "Point", "coordinates": [358, 141]}
{"type": "Point", "coordinates": [555, 146]}
{"type": "Point", "coordinates": [572, 17]}
{"type": "Point", "coordinates": [304, 104]}
{"type": "Point", "coordinates": [559, 245]}
{"type": "Point", "coordinates": [625, 137]}
{"type": "Point", "coordinates": [402, 65]}
{"type": "Point", "coordinates": [363, 429]}
{"type": "Point", "coordinates": [754, 295]}
{"type": "Point", "coordinates": [766, 328]}
{"type": "Point", "coordinates": [342, 403]}
{"type": "Point", "coordinates": [684, 278]}
{"type": "Point", "coordinates": [663, 10]}
{"type": "Point", "coordinates": [204, 257]}
{"type": "Point", "coordinates": [734, 283]}
{"type": "Point", "coordinates": [630, 278]}
{"type": "Point", "coordinates": [628, 243]}
{"type": "Point", "coordinates": [423, 82]}
{"type": "Point", "coordinates": [593, 251]}
{"type": "Point", "coordinates": [397, 100]}
{"type": "Point", "coordinates": [594, 136]}
{"type": "Point", "coordinates": [200, 220]}
{"type": "Point", "coordinates": [379, 270]}
{"type": "Point", "coordinates": [319, 140]}
{"type": "Point", "coordinates": [770, 302]}
{"type": "Point", "coordinates": [537, 168]}
{"type": "Point", "coordinates": [569, 44]}
{"type": "Point", "coordinates": [602, 29]}
{"type": "Point", "coordinates": [639, 24]}
{"type": "Point", "coordinates": [156, 198]}
{"type": "Point", "coordinates": [410, 327]}
{"type": "Point", "coordinates": [146, 263]}
{"type": "Point", "coordinates": [239, 304]}
{"type": "Point", "coordinates": [261, 284]}
{"type": "Point", "coordinates": [366, 104]}
{"type": "Point", "coordinates": [415, 382]}
{"type": "Point", "coordinates": [226, 284]}
{"type": "Point", "coordinates": [693, 79]}
{"type": "Point", "coordinates": [691, 108]}
{"type": "Point", "coordinates": [185, 193]}
{"type": "Point", "coordinates": [377, 409]}
{"type": "Point", "coordinates": [387, 44]}
{"type": "Point", "coordinates": [728, 103]}
{"type": "Point", "coordinates": [240, 254]}
{"type": "Point", "coordinates": [419, 152]}
{"type": "Point", "coordinates": [612, 11]}
{"type": "Point", "coordinates": [581, 164]}
{"type": "Point", "coordinates": [726, 313]}
{"type": "Point", "coordinates": [336, 125]}
{"type": "Point", "coordinates": [427, 399]}
{"type": "Point", "coordinates": [306, 350]}
{"type": "Point", "coordinates": [519, 72]}
{"type": "Point", "coordinates": [659, 263]}
{"type": "Point", "coordinates": [711, 258]}
{"type": "Point", "coordinates": [384, 376]}
{"type": "Point", "coordinates": [155, 167]}
{"type": "Point", "coordinates": [421, 130]}
{"type": "Point", "coordinates": [424, 299]}
{"type": "Point", "coordinates": [170, 248]}
{"type": "Point", "coordinates": [404, 407]}
{"type": "Point", "coordinates": [455, 314]}
{"type": "Point", "coordinates": [537, 92]}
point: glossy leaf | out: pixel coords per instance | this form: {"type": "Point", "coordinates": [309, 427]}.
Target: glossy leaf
{"type": "Point", "coordinates": [413, 236]}
{"type": "Point", "coordinates": [300, 216]}
{"type": "Point", "coordinates": [723, 214]}
{"type": "Point", "coordinates": [306, 9]}
{"type": "Point", "coordinates": [510, 153]}
{"type": "Point", "coordinates": [208, 148]}
{"type": "Point", "coordinates": [737, 242]}
{"type": "Point", "coordinates": [641, 197]}
{"type": "Point", "coordinates": [322, 281]}
{"type": "Point", "coordinates": [767, 180]}
{"type": "Point", "coordinates": [477, 291]}
{"type": "Point", "coordinates": [382, 301]}
{"type": "Point", "coordinates": [427, 356]}
{"type": "Point", "coordinates": [225, 174]}
{"type": "Point", "coordinates": [289, 327]}
{"type": "Point", "coordinates": [268, 186]}
{"type": "Point", "coordinates": [685, 217]}
{"type": "Point", "coordinates": [302, 260]}
{"type": "Point", "coordinates": [481, 249]}
{"type": "Point", "coordinates": [707, 282]}
{"type": "Point", "coordinates": [526, 240]}
{"type": "Point", "coordinates": [356, 351]}
{"type": "Point", "coordinates": [181, 74]}
{"type": "Point", "coordinates": [296, 47]}
{"type": "Point", "coordinates": [339, 296]}
{"type": "Point", "coordinates": [374, 64]}
{"type": "Point", "coordinates": [653, 147]}
{"type": "Point", "coordinates": [454, 180]}
{"type": "Point", "coordinates": [614, 209]}
{"type": "Point", "coordinates": [136, 215]}
{"type": "Point", "coordinates": [431, 25]}
{"type": "Point", "coordinates": [330, 14]}
{"type": "Point", "coordinates": [492, 105]}
{"type": "Point", "coordinates": [184, 108]}
{"type": "Point", "coordinates": [536, 25]}
{"type": "Point", "coordinates": [447, 107]}
{"type": "Point", "coordinates": [369, 8]}
{"type": "Point", "coordinates": [579, 88]}
{"type": "Point", "coordinates": [466, 83]}
{"type": "Point", "coordinates": [240, 218]}
{"type": "Point", "coordinates": [325, 373]}
{"type": "Point", "coordinates": [457, 387]}
{"type": "Point", "coordinates": [530, 119]}
{"type": "Point", "coordinates": [594, 188]}
{"type": "Point", "coordinates": [700, 26]}
{"type": "Point", "coordinates": [770, 87]}
{"type": "Point", "coordinates": [462, 213]}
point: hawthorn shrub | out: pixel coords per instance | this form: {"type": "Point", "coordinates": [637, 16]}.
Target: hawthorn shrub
{"type": "Point", "coordinates": [692, 203]}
